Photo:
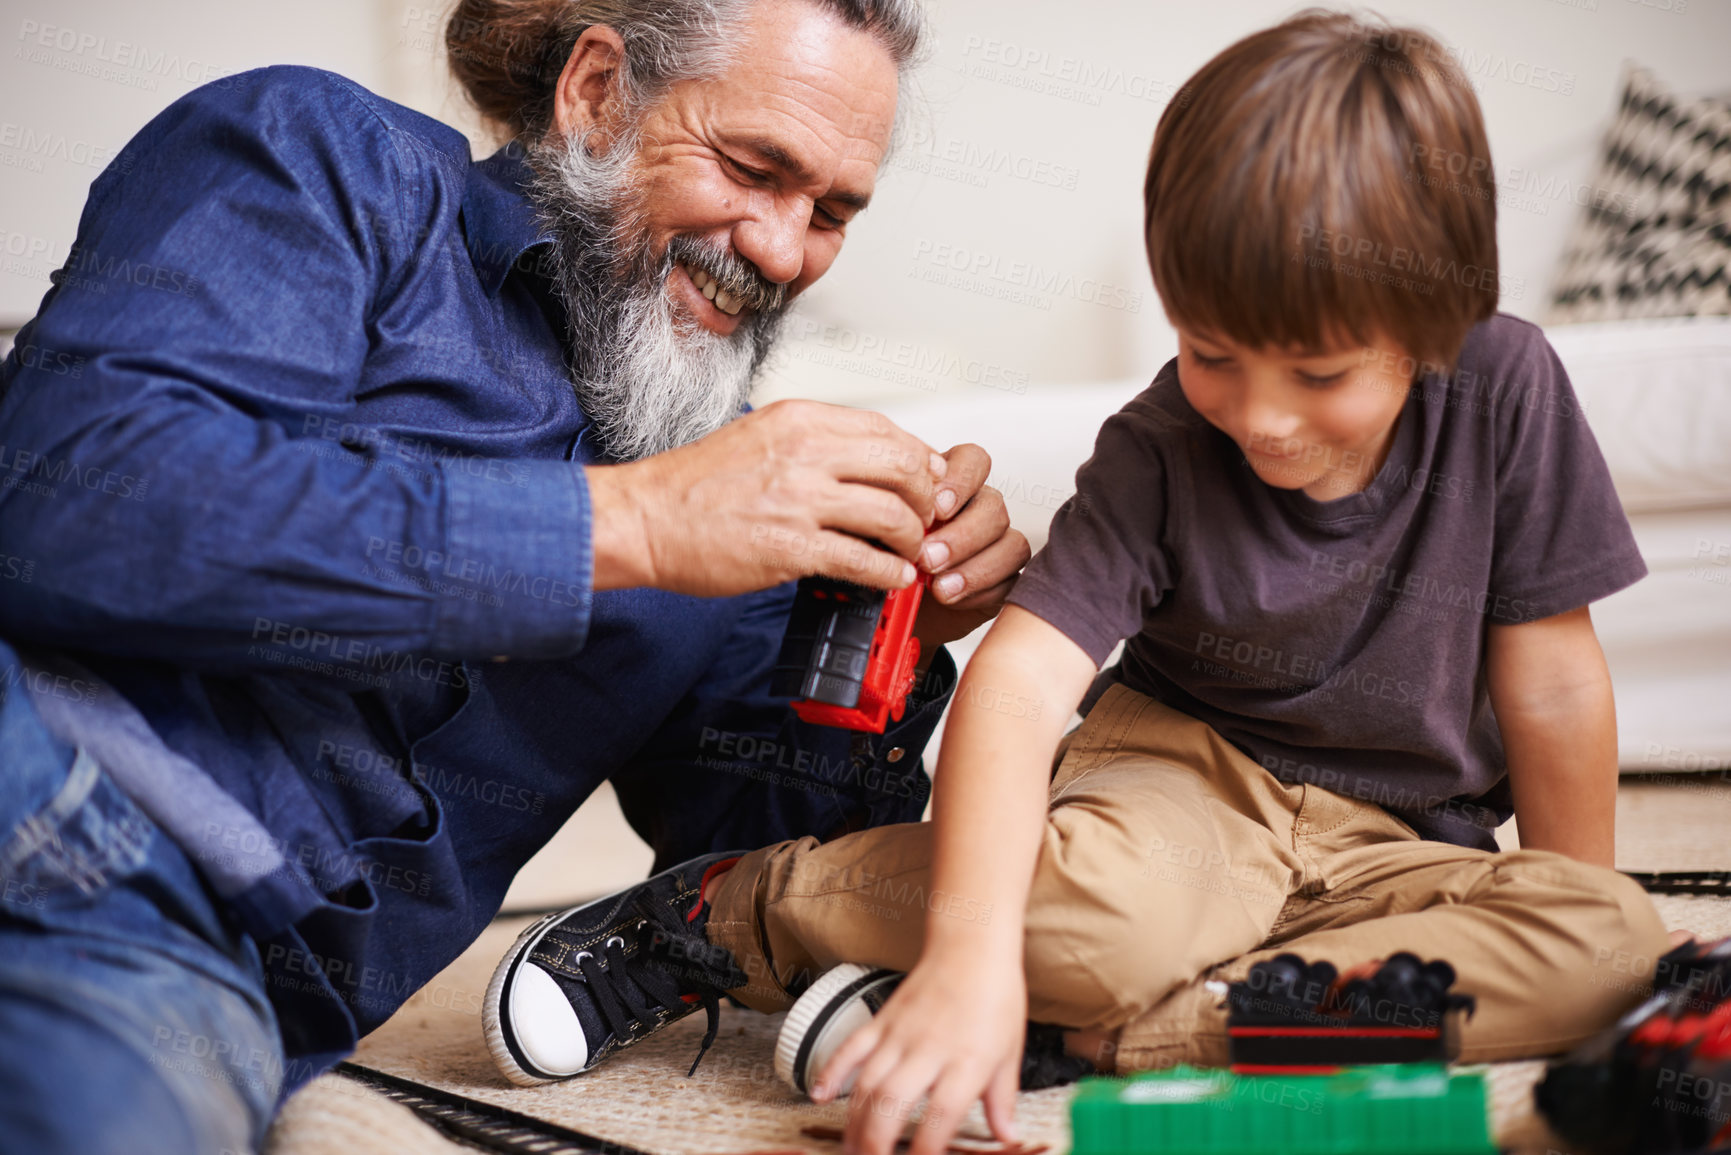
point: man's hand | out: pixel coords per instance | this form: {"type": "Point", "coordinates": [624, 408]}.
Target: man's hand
{"type": "Point", "coordinates": [952, 1033]}
{"type": "Point", "coordinates": [794, 488]}
{"type": "Point", "coordinates": [973, 554]}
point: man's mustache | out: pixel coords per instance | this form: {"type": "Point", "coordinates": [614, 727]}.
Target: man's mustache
{"type": "Point", "coordinates": [732, 273]}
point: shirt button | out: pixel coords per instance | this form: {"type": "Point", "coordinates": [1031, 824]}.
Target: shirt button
{"type": "Point", "coordinates": [895, 754]}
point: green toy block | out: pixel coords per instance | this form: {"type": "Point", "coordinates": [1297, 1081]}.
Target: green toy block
{"type": "Point", "coordinates": [1415, 1108]}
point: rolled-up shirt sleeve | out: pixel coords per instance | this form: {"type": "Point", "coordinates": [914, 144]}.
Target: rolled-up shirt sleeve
{"type": "Point", "coordinates": [187, 489]}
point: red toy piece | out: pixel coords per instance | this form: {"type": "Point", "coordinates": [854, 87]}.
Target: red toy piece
{"type": "Point", "coordinates": [849, 655]}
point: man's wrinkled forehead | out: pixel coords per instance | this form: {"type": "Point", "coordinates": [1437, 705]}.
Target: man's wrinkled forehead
{"type": "Point", "coordinates": [809, 97]}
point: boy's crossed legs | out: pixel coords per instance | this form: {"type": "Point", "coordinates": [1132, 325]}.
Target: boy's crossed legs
{"type": "Point", "coordinates": [1170, 859]}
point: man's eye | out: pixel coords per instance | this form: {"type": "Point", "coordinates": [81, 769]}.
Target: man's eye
{"type": "Point", "coordinates": [749, 175]}
{"type": "Point", "coordinates": [826, 219]}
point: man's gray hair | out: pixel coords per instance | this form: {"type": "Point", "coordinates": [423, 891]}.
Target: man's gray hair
{"type": "Point", "coordinates": [508, 54]}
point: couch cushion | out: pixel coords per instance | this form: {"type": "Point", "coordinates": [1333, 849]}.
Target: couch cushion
{"type": "Point", "coordinates": [1657, 395]}
{"type": "Point", "coordinates": [1655, 241]}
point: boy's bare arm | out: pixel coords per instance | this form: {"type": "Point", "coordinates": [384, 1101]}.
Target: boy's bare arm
{"type": "Point", "coordinates": [989, 795]}
{"type": "Point", "coordinates": [1552, 695]}
{"type": "Point", "coordinates": [953, 1031]}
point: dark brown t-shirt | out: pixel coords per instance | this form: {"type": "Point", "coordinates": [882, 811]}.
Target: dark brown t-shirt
{"type": "Point", "coordinates": [1342, 643]}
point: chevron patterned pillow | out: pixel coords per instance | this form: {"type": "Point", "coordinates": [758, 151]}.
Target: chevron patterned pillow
{"type": "Point", "coordinates": [1656, 240]}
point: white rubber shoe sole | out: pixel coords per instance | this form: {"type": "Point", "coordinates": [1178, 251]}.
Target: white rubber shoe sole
{"type": "Point", "coordinates": [520, 979]}
{"type": "Point", "coordinates": [535, 1029]}
{"type": "Point", "coordinates": [839, 1003]}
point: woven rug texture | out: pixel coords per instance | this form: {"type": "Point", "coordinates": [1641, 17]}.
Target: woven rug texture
{"type": "Point", "coordinates": [734, 1104]}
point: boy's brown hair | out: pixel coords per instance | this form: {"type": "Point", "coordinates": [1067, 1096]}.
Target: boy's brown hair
{"type": "Point", "coordinates": [1321, 180]}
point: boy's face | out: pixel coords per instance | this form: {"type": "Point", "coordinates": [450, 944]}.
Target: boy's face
{"type": "Point", "coordinates": [1317, 420]}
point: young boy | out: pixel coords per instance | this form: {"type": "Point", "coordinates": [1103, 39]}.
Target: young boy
{"type": "Point", "coordinates": [1350, 534]}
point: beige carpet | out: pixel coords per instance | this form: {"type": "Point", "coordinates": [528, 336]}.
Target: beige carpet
{"type": "Point", "coordinates": [734, 1104]}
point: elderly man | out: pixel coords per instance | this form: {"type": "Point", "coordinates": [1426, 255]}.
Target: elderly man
{"type": "Point", "coordinates": [376, 505]}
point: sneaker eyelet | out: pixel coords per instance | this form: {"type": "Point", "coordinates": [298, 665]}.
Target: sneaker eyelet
{"type": "Point", "coordinates": [611, 939]}
{"type": "Point", "coordinates": [581, 955]}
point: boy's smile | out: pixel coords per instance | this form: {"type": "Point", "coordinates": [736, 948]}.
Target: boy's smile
{"type": "Point", "coordinates": [1317, 420]}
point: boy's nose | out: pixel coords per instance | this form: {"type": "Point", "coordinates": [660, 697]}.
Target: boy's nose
{"type": "Point", "coordinates": [1272, 432]}
{"type": "Point", "coordinates": [1268, 421]}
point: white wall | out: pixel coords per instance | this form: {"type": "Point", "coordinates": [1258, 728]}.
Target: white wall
{"type": "Point", "coordinates": [995, 88]}
{"type": "Point", "coordinates": [79, 77]}
{"type": "Point", "coordinates": [1025, 162]}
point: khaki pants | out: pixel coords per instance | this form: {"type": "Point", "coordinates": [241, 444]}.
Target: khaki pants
{"type": "Point", "coordinates": [1169, 859]}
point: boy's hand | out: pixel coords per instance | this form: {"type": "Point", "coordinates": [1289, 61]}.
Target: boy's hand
{"type": "Point", "coordinates": [951, 1033]}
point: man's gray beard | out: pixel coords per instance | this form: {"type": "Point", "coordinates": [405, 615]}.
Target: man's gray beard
{"type": "Point", "coordinates": [649, 379]}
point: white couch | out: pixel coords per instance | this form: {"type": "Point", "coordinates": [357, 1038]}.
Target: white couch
{"type": "Point", "coordinates": [1657, 395]}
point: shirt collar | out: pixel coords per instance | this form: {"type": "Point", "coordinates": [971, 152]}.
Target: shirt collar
{"type": "Point", "coordinates": [499, 220]}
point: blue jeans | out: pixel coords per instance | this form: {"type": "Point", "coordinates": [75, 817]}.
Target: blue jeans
{"type": "Point", "coordinates": [132, 1017]}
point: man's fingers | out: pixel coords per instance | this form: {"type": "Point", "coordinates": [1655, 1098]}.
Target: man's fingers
{"type": "Point", "coordinates": [873, 514]}
{"type": "Point", "coordinates": [969, 466]}
{"type": "Point", "coordinates": [987, 601]}
{"type": "Point", "coordinates": [872, 449]}
{"type": "Point", "coordinates": [837, 555]}
{"type": "Point", "coordinates": [848, 421]}
{"type": "Point", "coordinates": [993, 566]}
{"type": "Point", "coordinates": [793, 488]}
{"type": "Point", "coordinates": [983, 521]}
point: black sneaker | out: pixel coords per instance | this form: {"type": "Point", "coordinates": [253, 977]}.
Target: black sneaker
{"type": "Point", "coordinates": [580, 984]}
{"type": "Point", "coordinates": [846, 997]}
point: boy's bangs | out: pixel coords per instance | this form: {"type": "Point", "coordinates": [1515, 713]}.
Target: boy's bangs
{"type": "Point", "coordinates": [1239, 283]}
{"type": "Point", "coordinates": [1291, 203]}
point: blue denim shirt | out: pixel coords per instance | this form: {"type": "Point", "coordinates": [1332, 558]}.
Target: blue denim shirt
{"type": "Point", "coordinates": [290, 458]}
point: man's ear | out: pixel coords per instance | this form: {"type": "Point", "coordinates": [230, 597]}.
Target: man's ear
{"type": "Point", "coordinates": [587, 99]}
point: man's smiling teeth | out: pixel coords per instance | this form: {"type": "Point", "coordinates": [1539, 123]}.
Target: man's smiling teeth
{"type": "Point", "coordinates": [706, 285]}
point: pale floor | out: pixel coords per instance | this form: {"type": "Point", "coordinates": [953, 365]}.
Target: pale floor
{"type": "Point", "coordinates": [594, 853]}
{"type": "Point", "coordinates": [734, 1104]}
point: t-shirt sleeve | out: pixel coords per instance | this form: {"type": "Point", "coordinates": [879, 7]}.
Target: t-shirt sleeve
{"type": "Point", "coordinates": [1104, 565]}
{"type": "Point", "coordinates": [1562, 539]}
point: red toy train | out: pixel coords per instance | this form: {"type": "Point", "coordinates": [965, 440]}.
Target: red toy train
{"type": "Point", "coordinates": [849, 653]}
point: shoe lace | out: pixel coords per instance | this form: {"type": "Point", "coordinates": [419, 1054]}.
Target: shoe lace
{"type": "Point", "coordinates": [672, 961]}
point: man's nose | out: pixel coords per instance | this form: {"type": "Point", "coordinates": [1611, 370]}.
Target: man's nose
{"type": "Point", "coordinates": [773, 238]}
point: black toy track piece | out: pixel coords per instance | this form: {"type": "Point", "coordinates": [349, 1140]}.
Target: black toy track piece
{"type": "Point", "coordinates": [1288, 1015]}
{"type": "Point", "coordinates": [1683, 881]}
{"type": "Point", "coordinates": [1658, 1082]}
{"type": "Point", "coordinates": [482, 1125]}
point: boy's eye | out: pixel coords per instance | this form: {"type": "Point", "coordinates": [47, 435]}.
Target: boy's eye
{"type": "Point", "coordinates": [1209, 362]}
{"type": "Point", "coordinates": [1319, 382]}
